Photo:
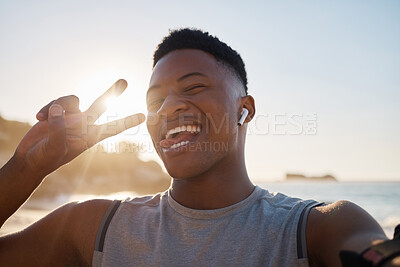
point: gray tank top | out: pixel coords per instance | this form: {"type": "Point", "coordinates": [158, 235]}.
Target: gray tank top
{"type": "Point", "coordinates": [264, 229]}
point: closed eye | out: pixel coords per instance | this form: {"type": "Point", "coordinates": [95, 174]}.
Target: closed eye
{"type": "Point", "coordinates": [194, 87]}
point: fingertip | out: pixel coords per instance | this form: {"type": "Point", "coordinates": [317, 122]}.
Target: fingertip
{"type": "Point", "coordinates": [141, 117]}
{"type": "Point", "coordinates": [41, 116]}
{"type": "Point", "coordinates": [134, 120]}
{"type": "Point", "coordinates": [122, 83]}
{"type": "Point", "coordinates": [56, 110]}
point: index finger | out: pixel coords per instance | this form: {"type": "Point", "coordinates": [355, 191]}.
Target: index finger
{"type": "Point", "coordinates": [99, 106]}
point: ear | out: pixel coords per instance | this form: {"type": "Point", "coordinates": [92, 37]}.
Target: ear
{"type": "Point", "coordinates": [249, 104]}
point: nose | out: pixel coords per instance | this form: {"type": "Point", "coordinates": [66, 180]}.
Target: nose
{"type": "Point", "coordinates": [172, 106]}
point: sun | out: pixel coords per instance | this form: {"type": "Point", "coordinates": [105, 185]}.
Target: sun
{"type": "Point", "coordinates": [131, 100]}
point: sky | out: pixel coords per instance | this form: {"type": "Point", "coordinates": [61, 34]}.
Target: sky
{"type": "Point", "coordinates": [324, 74]}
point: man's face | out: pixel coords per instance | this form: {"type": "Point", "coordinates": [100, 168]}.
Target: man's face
{"type": "Point", "coordinates": [193, 103]}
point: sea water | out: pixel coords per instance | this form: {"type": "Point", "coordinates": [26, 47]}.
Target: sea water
{"type": "Point", "coordinates": [380, 199]}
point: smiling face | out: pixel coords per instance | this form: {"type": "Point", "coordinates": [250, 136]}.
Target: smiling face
{"type": "Point", "coordinates": [194, 104]}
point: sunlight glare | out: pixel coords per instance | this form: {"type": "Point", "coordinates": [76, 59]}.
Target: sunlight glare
{"type": "Point", "coordinates": [112, 103]}
{"type": "Point", "coordinates": [131, 101]}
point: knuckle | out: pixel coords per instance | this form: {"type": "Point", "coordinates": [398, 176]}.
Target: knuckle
{"type": "Point", "coordinates": [67, 100]}
{"type": "Point", "coordinates": [73, 98]}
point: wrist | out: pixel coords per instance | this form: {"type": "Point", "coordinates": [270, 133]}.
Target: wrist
{"type": "Point", "coordinates": [18, 166]}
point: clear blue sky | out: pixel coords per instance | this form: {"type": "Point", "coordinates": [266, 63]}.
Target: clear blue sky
{"type": "Point", "coordinates": [339, 60]}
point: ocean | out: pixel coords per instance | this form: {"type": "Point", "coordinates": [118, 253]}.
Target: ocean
{"type": "Point", "coordinates": [380, 199]}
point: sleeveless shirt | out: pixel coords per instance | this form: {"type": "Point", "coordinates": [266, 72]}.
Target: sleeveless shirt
{"type": "Point", "coordinates": [265, 229]}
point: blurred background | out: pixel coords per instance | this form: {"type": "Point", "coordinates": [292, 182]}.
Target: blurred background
{"type": "Point", "coordinates": [325, 77]}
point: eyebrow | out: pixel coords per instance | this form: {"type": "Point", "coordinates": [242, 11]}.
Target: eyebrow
{"type": "Point", "coordinates": [191, 74]}
{"type": "Point", "coordinates": [179, 79]}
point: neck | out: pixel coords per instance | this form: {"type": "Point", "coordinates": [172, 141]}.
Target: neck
{"type": "Point", "coordinates": [225, 184]}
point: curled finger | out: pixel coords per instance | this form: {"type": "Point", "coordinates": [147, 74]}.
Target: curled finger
{"type": "Point", "coordinates": [69, 103]}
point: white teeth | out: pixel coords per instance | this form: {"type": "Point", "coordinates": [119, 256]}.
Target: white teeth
{"type": "Point", "coordinates": [179, 144]}
{"type": "Point", "coordinates": [189, 128]}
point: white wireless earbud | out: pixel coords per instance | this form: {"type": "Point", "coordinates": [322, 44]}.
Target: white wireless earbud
{"type": "Point", "coordinates": [245, 112]}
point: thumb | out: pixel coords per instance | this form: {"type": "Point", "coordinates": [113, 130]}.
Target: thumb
{"type": "Point", "coordinates": [56, 145]}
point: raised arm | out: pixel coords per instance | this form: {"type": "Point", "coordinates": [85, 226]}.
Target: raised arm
{"type": "Point", "coordinates": [341, 226]}
{"type": "Point", "coordinates": [62, 133]}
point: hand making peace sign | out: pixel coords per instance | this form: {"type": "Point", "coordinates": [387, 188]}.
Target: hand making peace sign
{"type": "Point", "coordinates": [63, 131]}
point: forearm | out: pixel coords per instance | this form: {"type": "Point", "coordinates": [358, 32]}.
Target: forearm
{"type": "Point", "coordinates": [16, 185]}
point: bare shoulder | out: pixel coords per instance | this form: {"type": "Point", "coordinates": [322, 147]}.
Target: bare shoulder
{"type": "Point", "coordinates": [82, 221]}
{"type": "Point", "coordinates": [342, 225]}
{"type": "Point", "coordinates": [343, 217]}
{"type": "Point", "coordinates": [65, 236]}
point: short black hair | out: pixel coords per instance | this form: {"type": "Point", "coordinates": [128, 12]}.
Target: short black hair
{"type": "Point", "coordinates": [188, 38]}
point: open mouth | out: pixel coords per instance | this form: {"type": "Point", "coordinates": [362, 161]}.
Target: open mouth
{"type": "Point", "coordinates": [179, 136]}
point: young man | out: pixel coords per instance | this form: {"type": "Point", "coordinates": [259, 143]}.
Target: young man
{"type": "Point", "coordinates": [211, 215]}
